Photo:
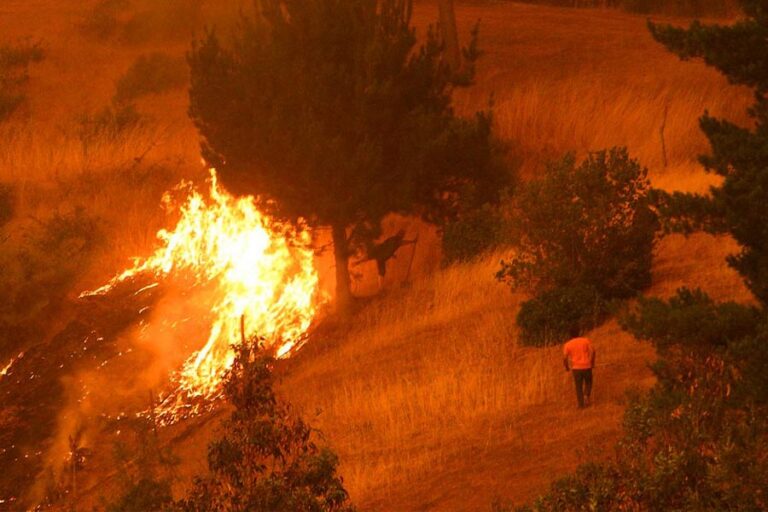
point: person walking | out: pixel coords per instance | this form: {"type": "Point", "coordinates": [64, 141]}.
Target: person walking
{"type": "Point", "coordinates": [579, 358]}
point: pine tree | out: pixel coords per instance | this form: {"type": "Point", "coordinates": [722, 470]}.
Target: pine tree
{"type": "Point", "coordinates": [331, 109]}
{"type": "Point", "coordinates": [739, 205]}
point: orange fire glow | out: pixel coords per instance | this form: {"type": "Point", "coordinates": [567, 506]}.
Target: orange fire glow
{"type": "Point", "coordinates": [260, 272]}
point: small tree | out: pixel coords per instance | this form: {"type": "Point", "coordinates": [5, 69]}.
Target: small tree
{"type": "Point", "coordinates": [739, 205]}
{"type": "Point", "coordinates": [265, 460]}
{"type": "Point", "coordinates": [589, 224]}
{"type": "Point", "coordinates": [328, 107]}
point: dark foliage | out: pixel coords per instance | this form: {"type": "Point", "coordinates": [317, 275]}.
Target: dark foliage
{"type": "Point", "coordinates": [109, 123]}
{"type": "Point", "coordinates": [146, 496]}
{"type": "Point", "coordinates": [141, 21]}
{"type": "Point", "coordinates": [740, 205]}
{"type": "Point", "coordinates": [589, 224]}
{"type": "Point", "coordinates": [266, 460]}
{"type": "Point", "coordinates": [475, 232]}
{"type": "Point", "coordinates": [15, 60]}
{"type": "Point", "coordinates": [154, 73]}
{"type": "Point", "coordinates": [549, 317]}
{"type": "Point", "coordinates": [350, 120]}
{"type": "Point", "coordinates": [38, 269]}
{"type": "Point", "coordinates": [693, 319]}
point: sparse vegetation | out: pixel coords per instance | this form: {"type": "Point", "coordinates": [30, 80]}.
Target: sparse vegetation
{"type": "Point", "coordinates": [15, 60]}
{"type": "Point", "coordinates": [38, 269]}
{"type": "Point", "coordinates": [154, 73]}
{"type": "Point", "coordinates": [142, 21]}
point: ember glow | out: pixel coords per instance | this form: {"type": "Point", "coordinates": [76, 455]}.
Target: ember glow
{"type": "Point", "coordinates": [6, 368]}
{"type": "Point", "coordinates": [260, 274]}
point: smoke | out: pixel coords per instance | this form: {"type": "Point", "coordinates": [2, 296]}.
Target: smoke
{"type": "Point", "coordinates": [125, 386]}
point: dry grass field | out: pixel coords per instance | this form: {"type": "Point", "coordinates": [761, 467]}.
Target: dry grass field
{"type": "Point", "coordinates": [428, 399]}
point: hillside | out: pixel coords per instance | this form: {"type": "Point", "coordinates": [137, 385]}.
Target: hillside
{"type": "Point", "coordinates": [428, 399]}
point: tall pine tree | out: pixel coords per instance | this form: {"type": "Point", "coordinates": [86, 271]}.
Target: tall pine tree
{"type": "Point", "coordinates": [330, 108]}
{"type": "Point", "coordinates": [740, 155]}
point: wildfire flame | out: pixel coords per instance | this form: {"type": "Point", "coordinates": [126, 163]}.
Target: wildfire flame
{"type": "Point", "coordinates": [7, 367]}
{"type": "Point", "coordinates": [260, 272]}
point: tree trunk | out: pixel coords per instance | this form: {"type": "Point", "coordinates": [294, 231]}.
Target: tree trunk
{"type": "Point", "coordinates": [341, 257]}
{"type": "Point", "coordinates": [450, 35]}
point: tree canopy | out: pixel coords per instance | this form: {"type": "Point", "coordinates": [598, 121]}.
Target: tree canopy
{"type": "Point", "coordinates": [330, 108]}
{"type": "Point", "coordinates": [587, 223]}
{"type": "Point", "coordinates": [739, 205]}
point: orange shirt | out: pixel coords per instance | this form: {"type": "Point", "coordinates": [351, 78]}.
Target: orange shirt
{"type": "Point", "coordinates": [579, 352]}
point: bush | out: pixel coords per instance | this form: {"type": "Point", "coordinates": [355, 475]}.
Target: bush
{"type": "Point", "coordinates": [38, 272]}
{"type": "Point", "coordinates": [140, 21]}
{"type": "Point", "coordinates": [479, 231]}
{"type": "Point", "coordinates": [14, 73]}
{"type": "Point", "coordinates": [589, 225]}
{"type": "Point", "coordinates": [549, 317]}
{"type": "Point", "coordinates": [109, 123]}
{"type": "Point", "coordinates": [151, 74]}
{"type": "Point", "coordinates": [265, 460]}
{"type": "Point", "coordinates": [691, 318]}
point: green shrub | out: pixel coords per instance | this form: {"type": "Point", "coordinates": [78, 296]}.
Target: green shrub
{"type": "Point", "coordinates": [696, 442]}
{"type": "Point", "coordinates": [265, 459]}
{"type": "Point", "coordinates": [479, 231]}
{"type": "Point", "coordinates": [691, 318]}
{"type": "Point", "coordinates": [151, 74]}
{"type": "Point", "coordinates": [589, 224]}
{"type": "Point", "coordinates": [549, 317]}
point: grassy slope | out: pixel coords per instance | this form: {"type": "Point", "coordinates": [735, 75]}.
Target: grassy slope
{"type": "Point", "coordinates": [428, 401]}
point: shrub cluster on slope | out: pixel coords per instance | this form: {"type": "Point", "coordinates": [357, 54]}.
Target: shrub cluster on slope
{"type": "Point", "coordinates": [583, 234]}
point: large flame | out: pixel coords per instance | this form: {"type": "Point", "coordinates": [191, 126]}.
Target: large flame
{"type": "Point", "coordinates": [260, 274]}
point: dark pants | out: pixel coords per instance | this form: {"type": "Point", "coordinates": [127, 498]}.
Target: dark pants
{"type": "Point", "coordinates": [583, 380]}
